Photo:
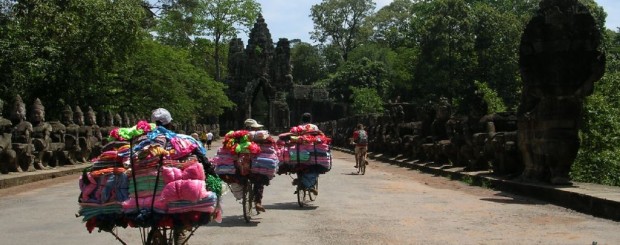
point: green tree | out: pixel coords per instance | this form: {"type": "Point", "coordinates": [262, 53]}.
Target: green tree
{"type": "Point", "coordinates": [392, 23]}
{"type": "Point", "coordinates": [162, 75]}
{"type": "Point", "coordinates": [446, 62]}
{"type": "Point", "coordinates": [224, 19]}
{"type": "Point", "coordinates": [497, 39]}
{"type": "Point", "coordinates": [366, 101]}
{"type": "Point", "coordinates": [179, 22]}
{"type": "Point", "coordinates": [308, 65]}
{"type": "Point", "coordinates": [342, 23]}
{"type": "Point", "coordinates": [361, 74]}
{"type": "Point", "coordinates": [67, 49]}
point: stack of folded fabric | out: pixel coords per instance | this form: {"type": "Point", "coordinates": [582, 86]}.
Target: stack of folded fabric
{"type": "Point", "coordinates": [224, 162]}
{"type": "Point", "coordinates": [234, 158]}
{"type": "Point", "coordinates": [160, 182]}
{"type": "Point", "coordinates": [305, 151]}
{"type": "Point", "coordinates": [267, 161]}
{"type": "Point", "coordinates": [103, 186]}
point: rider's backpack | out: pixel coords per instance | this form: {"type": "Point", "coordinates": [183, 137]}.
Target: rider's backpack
{"type": "Point", "coordinates": [362, 137]}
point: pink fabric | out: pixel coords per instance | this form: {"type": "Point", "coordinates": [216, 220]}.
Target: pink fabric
{"type": "Point", "coordinates": [204, 209]}
{"type": "Point", "coordinates": [190, 190]}
{"type": "Point", "coordinates": [171, 174]}
{"type": "Point", "coordinates": [195, 171]}
{"type": "Point", "coordinates": [87, 189]}
{"type": "Point", "coordinates": [183, 147]}
{"type": "Point", "coordinates": [144, 202]}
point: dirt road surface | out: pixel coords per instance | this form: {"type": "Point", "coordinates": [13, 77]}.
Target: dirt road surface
{"type": "Point", "coordinates": [388, 205]}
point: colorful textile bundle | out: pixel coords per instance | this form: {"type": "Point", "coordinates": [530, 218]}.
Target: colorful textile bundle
{"type": "Point", "coordinates": [164, 182]}
{"type": "Point", "coordinates": [240, 142]}
{"type": "Point", "coordinates": [247, 153]}
{"type": "Point", "coordinates": [266, 163]}
{"type": "Point", "coordinates": [303, 148]}
{"type": "Point", "coordinates": [224, 161]}
{"type": "Point", "coordinates": [300, 156]}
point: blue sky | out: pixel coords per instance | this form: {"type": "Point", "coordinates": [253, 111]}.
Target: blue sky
{"type": "Point", "coordinates": [290, 18]}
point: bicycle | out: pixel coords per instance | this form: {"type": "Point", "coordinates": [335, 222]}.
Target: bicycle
{"type": "Point", "coordinates": [245, 163]}
{"type": "Point", "coordinates": [304, 195]}
{"type": "Point", "coordinates": [361, 161]}
{"type": "Point", "coordinates": [248, 200]}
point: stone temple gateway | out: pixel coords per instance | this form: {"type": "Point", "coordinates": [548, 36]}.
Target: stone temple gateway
{"type": "Point", "coordinates": [259, 80]}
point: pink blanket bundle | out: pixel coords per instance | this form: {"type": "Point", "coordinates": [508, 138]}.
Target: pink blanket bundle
{"type": "Point", "coordinates": [190, 190]}
{"type": "Point", "coordinates": [144, 202]}
{"type": "Point", "coordinates": [193, 172]}
{"type": "Point", "coordinates": [197, 208]}
{"type": "Point", "coordinates": [87, 189]}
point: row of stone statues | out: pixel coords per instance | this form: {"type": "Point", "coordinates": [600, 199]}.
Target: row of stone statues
{"type": "Point", "coordinates": [28, 142]}
{"type": "Point", "coordinates": [437, 136]}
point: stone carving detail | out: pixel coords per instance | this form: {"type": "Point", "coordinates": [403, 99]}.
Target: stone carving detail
{"type": "Point", "coordinates": [71, 136]}
{"type": "Point", "coordinates": [95, 139]}
{"type": "Point", "coordinates": [85, 133]}
{"type": "Point", "coordinates": [21, 136]}
{"type": "Point", "coordinates": [8, 156]}
{"type": "Point", "coordinates": [41, 136]}
{"type": "Point", "coordinates": [560, 61]}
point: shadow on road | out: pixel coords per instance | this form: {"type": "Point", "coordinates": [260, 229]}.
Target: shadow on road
{"type": "Point", "coordinates": [288, 206]}
{"type": "Point", "coordinates": [507, 199]}
{"type": "Point", "coordinates": [236, 221]}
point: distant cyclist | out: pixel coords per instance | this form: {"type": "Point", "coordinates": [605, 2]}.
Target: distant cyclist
{"type": "Point", "coordinates": [360, 139]}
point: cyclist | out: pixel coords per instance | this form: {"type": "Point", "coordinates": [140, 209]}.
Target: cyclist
{"type": "Point", "coordinates": [163, 118]}
{"type": "Point", "coordinates": [259, 180]}
{"type": "Point", "coordinates": [360, 139]}
{"type": "Point", "coordinates": [309, 176]}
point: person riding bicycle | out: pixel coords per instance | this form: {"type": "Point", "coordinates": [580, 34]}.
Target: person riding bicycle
{"type": "Point", "coordinates": [309, 176]}
{"type": "Point", "coordinates": [259, 180]}
{"type": "Point", "coordinates": [163, 118]}
{"type": "Point", "coordinates": [360, 139]}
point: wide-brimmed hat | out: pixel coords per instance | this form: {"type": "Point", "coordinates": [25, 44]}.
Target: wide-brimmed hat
{"type": "Point", "coordinates": [252, 123]}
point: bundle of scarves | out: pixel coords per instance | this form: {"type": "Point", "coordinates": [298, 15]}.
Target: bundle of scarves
{"type": "Point", "coordinates": [245, 152]}
{"type": "Point", "coordinates": [305, 148]}
{"type": "Point", "coordinates": [164, 184]}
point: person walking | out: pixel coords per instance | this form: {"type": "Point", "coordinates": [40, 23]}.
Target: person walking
{"type": "Point", "coordinates": [209, 139]}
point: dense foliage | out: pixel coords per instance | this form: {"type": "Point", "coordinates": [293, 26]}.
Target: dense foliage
{"type": "Point", "coordinates": [126, 55]}
{"type": "Point", "coordinates": [111, 55]}
{"type": "Point", "coordinates": [458, 49]}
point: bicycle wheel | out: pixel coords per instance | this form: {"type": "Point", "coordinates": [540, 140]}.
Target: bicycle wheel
{"type": "Point", "coordinates": [301, 196]}
{"type": "Point", "coordinates": [248, 199]}
{"type": "Point", "coordinates": [311, 196]}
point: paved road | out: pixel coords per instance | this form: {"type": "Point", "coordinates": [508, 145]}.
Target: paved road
{"type": "Point", "coordinates": [389, 205]}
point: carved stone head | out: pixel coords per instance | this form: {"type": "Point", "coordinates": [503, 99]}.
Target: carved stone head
{"type": "Point", "coordinates": [109, 119]}
{"type": "Point", "coordinates": [118, 121]}
{"type": "Point", "coordinates": [78, 116]}
{"type": "Point", "coordinates": [19, 109]}
{"type": "Point", "coordinates": [67, 115]}
{"type": "Point", "coordinates": [91, 117]}
{"type": "Point", "coordinates": [37, 114]}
